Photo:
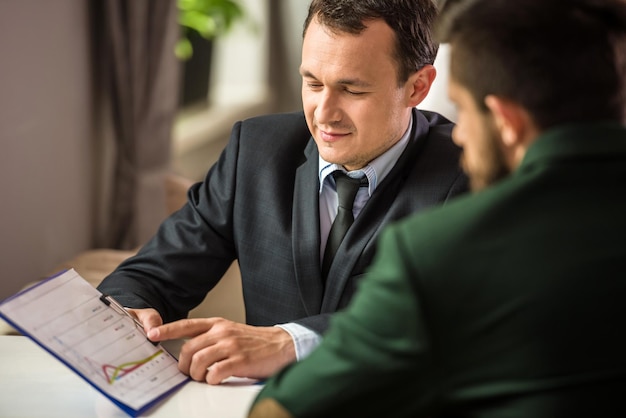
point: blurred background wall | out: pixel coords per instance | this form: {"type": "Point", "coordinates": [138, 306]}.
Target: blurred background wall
{"type": "Point", "coordinates": [45, 130]}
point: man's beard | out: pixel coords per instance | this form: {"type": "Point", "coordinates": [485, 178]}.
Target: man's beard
{"type": "Point", "coordinates": [493, 167]}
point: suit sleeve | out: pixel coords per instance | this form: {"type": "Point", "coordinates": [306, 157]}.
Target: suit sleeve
{"type": "Point", "coordinates": [191, 250]}
{"type": "Point", "coordinates": [375, 354]}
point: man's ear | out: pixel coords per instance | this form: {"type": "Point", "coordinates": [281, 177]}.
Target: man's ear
{"type": "Point", "coordinates": [510, 119]}
{"type": "Point", "coordinates": [419, 83]}
{"type": "Point", "coordinates": [517, 128]}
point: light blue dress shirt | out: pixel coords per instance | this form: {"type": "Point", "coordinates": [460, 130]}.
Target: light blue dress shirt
{"type": "Point", "coordinates": [306, 340]}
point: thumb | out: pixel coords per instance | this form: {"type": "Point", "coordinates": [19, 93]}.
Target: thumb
{"type": "Point", "coordinates": [149, 318]}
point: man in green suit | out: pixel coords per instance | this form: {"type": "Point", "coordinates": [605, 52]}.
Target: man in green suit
{"type": "Point", "coordinates": [511, 301]}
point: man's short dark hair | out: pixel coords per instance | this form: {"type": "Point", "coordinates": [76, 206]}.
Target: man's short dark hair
{"type": "Point", "coordinates": [411, 20]}
{"type": "Point", "coordinates": [570, 67]}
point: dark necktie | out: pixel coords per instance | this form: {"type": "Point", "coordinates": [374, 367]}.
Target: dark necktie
{"type": "Point", "coordinates": [347, 187]}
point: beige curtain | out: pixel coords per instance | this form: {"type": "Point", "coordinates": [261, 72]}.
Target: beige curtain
{"type": "Point", "coordinates": [136, 90]}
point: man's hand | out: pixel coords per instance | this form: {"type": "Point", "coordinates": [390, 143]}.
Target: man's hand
{"type": "Point", "coordinates": [219, 348]}
{"type": "Point", "coordinates": [148, 317]}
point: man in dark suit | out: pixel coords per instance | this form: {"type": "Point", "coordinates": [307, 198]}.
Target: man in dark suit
{"type": "Point", "coordinates": [507, 302]}
{"type": "Point", "coordinates": [270, 200]}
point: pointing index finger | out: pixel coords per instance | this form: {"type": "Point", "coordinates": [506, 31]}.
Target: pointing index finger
{"type": "Point", "coordinates": [183, 328]}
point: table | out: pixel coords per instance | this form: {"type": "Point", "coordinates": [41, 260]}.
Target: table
{"type": "Point", "coordinates": [35, 384]}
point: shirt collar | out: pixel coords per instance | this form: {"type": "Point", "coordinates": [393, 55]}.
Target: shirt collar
{"type": "Point", "coordinates": [376, 170]}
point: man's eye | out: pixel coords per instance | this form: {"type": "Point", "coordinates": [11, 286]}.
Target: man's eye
{"type": "Point", "coordinates": [354, 93]}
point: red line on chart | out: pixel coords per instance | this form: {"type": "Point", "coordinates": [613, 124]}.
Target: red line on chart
{"type": "Point", "coordinates": [125, 368]}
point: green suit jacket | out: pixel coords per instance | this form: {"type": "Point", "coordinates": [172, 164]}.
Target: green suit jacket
{"type": "Point", "coordinates": [510, 302]}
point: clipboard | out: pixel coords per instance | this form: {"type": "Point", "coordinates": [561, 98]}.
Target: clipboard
{"type": "Point", "coordinates": [96, 338]}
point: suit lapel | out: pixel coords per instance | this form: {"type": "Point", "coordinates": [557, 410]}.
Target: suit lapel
{"type": "Point", "coordinates": [373, 216]}
{"type": "Point", "coordinates": [306, 231]}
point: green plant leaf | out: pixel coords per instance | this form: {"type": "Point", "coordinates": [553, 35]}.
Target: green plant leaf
{"type": "Point", "coordinates": [183, 49]}
{"type": "Point", "coordinates": [209, 18]}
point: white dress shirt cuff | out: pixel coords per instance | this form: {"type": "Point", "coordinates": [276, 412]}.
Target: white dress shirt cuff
{"type": "Point", "coordinates": [304, 339]}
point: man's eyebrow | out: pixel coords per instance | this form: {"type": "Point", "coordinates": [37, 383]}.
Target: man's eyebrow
{"type": "Point", "coordinates": [306, 73]}
{"type": "Point", "coordinates": [357, 82]}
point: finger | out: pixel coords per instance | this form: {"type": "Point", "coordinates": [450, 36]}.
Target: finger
{"type": "Point", "coordinates": [149, 318]}
{"type": "Point", "coordinates": [198, 363]}
{"type": "Point", "coordinates": [184, 328]}
{"type": "Point", "coordinates": [197, 354]}
{"type": "Point", "coordinates": [233, 366]}
{"type": "Point", "coordinates": [217, 372]}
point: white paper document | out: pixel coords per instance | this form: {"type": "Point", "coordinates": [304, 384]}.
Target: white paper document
{"type": "Point", "coordinates": [96, 338]}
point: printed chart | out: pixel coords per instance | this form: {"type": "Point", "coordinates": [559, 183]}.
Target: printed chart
{"type": "Point", "coordinates": [69, 317]}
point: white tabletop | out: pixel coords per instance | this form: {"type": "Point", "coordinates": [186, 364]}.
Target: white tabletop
{"type": "Point", "coordinates": [35, 384]}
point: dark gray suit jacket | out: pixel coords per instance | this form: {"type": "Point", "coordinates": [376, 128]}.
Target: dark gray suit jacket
{"type": "Point", "coordinates": [259, 205]}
